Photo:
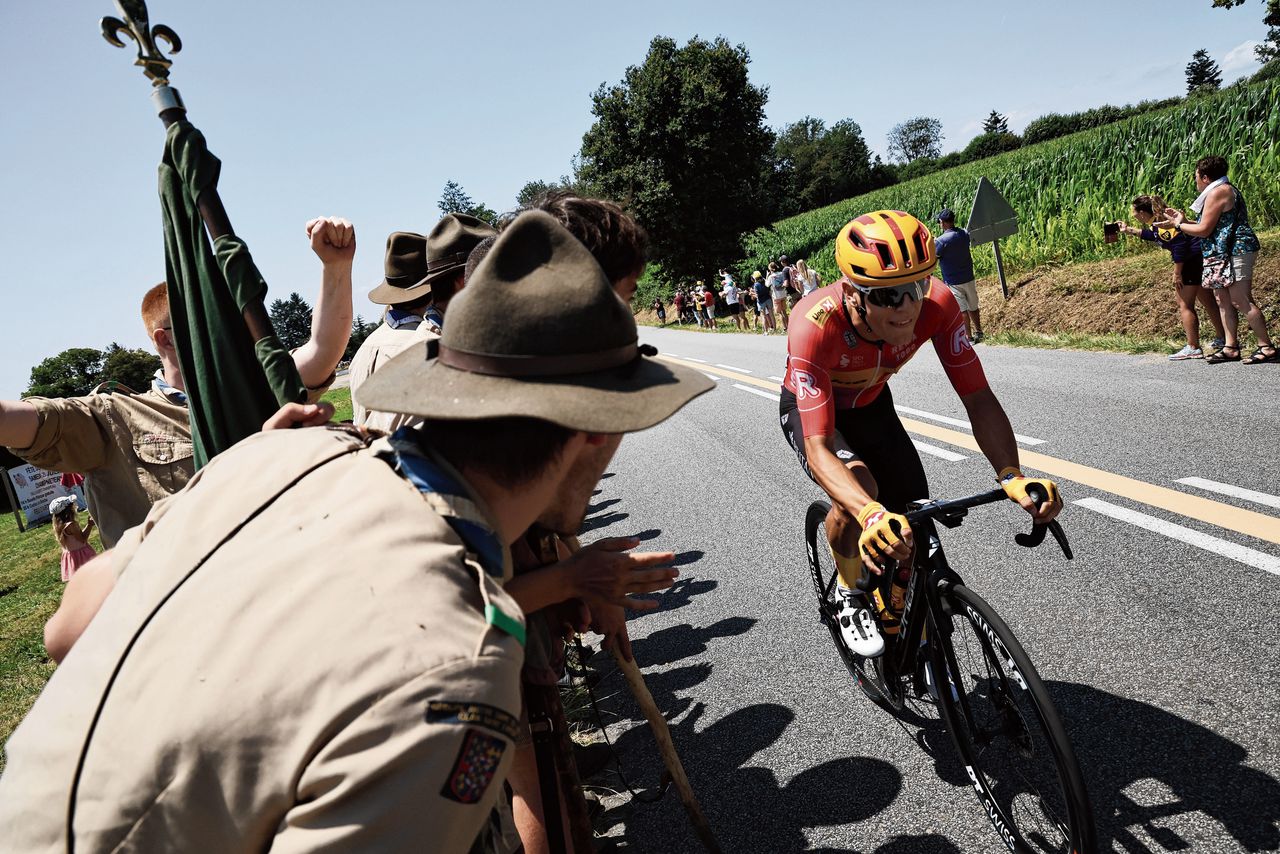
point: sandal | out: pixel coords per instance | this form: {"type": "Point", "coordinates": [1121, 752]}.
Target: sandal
{"type": "Point", "coordinates": [1257, 357]}
{"type": "Point", "coordinates": [1221, 356]}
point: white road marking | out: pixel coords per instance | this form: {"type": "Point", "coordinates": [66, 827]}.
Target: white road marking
{"type": "Point", "coordinates": [1252, 557]}
{"type": "Point", "coordinates": [712, 376]}
{"type": "Point", "coordinates": [956, 422]}
{"type": "Point", "coordinates": [773, 397]}
{"type": "Point", "coordinates": [949, 456]}
{"type": "Point", "coordinates": [1234, 491]}
{"type": "Point", "coordinates": [732, 368]}
{"type": "Point", "coordinates": [776, 379]}
{"type": "Point", "coordinates": [691, 359]}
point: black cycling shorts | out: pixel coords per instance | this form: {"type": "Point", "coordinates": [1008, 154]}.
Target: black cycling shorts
{"type": "Point", "coordinates": [873, 434]}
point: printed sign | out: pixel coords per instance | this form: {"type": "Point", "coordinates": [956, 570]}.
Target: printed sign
{"type": "Point", "coordinates": [35, 488]}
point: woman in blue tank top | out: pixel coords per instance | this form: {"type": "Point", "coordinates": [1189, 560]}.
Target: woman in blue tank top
{"type": "Point", "coordinates": [1225, 234]}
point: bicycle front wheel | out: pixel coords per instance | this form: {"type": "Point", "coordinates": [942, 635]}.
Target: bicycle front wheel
{"type": "Point", "coordinates": [1010, 737]}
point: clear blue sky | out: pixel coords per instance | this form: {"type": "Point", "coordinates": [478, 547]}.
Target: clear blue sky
{"type": "Point", "coordinates": [366, 110]}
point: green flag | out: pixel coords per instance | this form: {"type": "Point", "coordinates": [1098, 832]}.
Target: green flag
{"type": "Point", "coordinates": [232, 382]}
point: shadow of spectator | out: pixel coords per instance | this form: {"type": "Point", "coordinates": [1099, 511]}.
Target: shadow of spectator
{"type": "Point", "coordinates": [676, 642]}
{"type": "Point", "coordinates": [603, 521]}
{"type": "Point", "coordinates": [686, 558]}
{"type": "Point", "coordinates": [600, 505]}
{"type": "Point", "coordinates": [836, 792]}
{"type": "Point", "coordinates": [1143, 764]}
{"type": "Point", "coordinates": [929, 843]}
{"type": "Point", "coordinates": [682, 592]}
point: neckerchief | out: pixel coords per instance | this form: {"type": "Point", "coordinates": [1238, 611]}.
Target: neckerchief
{"type": "Point", "coordinates": [451, 499]}
{"type": "Point", "coordinates": [167, 390]}
{"type": "Point", "coordinates": [395, 318]}
{"type": "Point", "coordinates": [433, 319]}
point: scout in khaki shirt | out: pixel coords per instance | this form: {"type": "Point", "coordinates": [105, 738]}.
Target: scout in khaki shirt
{"type": "Point", "coordinates": [280, 666]}
{"type": "Point", "coordinates": [422, 275]}
{"type": "Point", "coordinates": [135, 448]}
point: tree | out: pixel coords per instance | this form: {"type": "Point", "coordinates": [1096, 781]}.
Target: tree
{"type": "Point", "coordinates": [1203, 74]}
{"type": "Point", "coordinates": [990, 144]}
{"type": "Point", "coordinates": [455, 200]}
{"type": "Point", "coordinates": [1269, 49]}
{"type": "Point", "coordinates": [815, 166]}
{"type": "Point", "coordinates": [71, 373]}
{"type": "Point", "coordinates": [131, 367]}
{"type": "Point", "coordinates": [292, 320]}
{"type": "Point", "coordinates": [531, 191]}
{"type": "Point", "coordinates": [915, 138]}
{"type": "Point", "coordinates": [995, 123]}
{"type": "Point", "coordinates": [681, 143]}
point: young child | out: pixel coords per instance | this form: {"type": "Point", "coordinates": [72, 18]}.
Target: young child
{"type": "Point", "coordinates": [76, 551]}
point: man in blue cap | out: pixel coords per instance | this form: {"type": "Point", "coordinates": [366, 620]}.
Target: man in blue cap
{"type": "Point", "coordinates": [955, 264]}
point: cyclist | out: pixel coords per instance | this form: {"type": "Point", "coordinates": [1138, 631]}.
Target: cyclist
{"type": "Point", "coordinates": [846, 340]}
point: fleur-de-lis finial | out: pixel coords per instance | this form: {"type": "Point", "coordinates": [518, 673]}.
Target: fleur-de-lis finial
{"type": "Point", "coordinates": [136, 26]}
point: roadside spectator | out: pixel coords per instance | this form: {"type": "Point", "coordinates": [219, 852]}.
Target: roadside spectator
{"type": "Point", "coordinates": [1188, 265]}
{"type": "Point", "coordinates": [398, 681]}
{"type": "Point", "coordinates": [73, 541]}
{"type": "Point", "coordinates": [699, 303]}
{"type": "Point", "coordinates": [764, 302]}
{"type": "Point", "coordinates": [1230, 249]}
{"type": "Point", "coordinates": [678, 302]}
{"type": "Point", "coordinates": [778, 287]}
{"type": "Point", "coordinates": [955, 266]}
{"type": "Point", "coordinates": [661, 310]}
{"type": "Point", "coordinates": [134, 448]}
{"type": "Point", "coordinates": [809, 281]}
{"type": "Point", "coordinates": [733, 303]}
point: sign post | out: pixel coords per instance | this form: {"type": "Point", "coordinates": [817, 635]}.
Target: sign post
{"type": "Point", "coordinates": [992, 218]}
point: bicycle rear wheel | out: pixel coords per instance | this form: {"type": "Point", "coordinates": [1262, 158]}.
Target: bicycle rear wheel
{"type": "Point", "coordinates": [1009, 735]}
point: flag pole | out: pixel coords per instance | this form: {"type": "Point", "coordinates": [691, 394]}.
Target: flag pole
{"type": "Point", "coordinates": [135, 23]}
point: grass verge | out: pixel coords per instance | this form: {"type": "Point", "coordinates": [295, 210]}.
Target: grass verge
{"type": "Point", "coordinates": [341, 400]}
{"type": "Point", "coordinates": [30, 588]}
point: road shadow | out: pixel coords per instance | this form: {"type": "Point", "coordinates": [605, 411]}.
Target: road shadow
{"type": "Point", "coordinates": [1144, 764]}
{"type": "Point", "coordinates": [592, 509]}
{"type": "Point", "coordinates": [748, 807]}
{"type": "Point", "coordinates": [673, 643]}
{"type": "Point", "coordinates": [595, 523]}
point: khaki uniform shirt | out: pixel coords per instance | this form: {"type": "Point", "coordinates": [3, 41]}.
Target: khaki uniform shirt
{"type": "Point", "coordinates": [133, 449]}
{"type": "Point", "coordinates": [278, 667]}
{"type": "Point", "coordinates": [381, 346]}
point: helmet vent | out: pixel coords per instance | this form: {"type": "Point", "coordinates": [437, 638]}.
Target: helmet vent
{"type": "Point", "coordinates": [906, 256]}
{"type": "Point", "coordinates": [919, 245]}
{"type": "Point", "coordinates": [886, 258]}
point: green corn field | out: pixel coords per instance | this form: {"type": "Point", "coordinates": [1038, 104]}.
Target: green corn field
{"type": "Point", "coordinates": [1064, 189]}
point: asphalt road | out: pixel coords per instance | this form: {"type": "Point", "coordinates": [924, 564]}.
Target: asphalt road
{"type": "Point", "coordinates": [1160, 653]}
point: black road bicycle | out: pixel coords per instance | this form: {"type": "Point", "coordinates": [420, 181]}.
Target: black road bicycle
{"type": "Point", "coordinates": [954, 653]}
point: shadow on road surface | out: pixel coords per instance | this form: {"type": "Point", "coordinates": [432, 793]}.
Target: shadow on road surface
{"type": "Point", "coordinates": [1144, 764]}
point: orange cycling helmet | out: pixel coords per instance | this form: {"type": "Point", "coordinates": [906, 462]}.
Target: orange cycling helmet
{"type": "Point", "coordinates": [885, 248]}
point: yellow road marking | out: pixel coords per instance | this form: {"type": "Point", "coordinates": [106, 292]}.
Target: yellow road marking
{"type": "Point", "coordinates": [1247, 522]}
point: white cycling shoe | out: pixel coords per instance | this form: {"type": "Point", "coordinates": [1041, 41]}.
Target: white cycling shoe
{"type": "Point", "coordinates": [857, 625]}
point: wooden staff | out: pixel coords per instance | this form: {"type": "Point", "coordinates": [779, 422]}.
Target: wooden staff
{"type": "Point", "coordinates": [667, 750]}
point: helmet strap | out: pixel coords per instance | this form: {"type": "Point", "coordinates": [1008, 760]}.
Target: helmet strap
{"type": "Point", "coordinates": [859, 305]}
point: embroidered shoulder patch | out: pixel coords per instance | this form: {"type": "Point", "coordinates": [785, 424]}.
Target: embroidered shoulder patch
{"type": "Point", "coordinates": [473, 770]}
{"type": "Point", "coordinates": [474, 714]}
{"type": "Point", "coordinates": [820, 312]}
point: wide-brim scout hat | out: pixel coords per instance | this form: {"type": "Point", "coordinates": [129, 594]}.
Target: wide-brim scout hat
{"type": "Point", "coordinates": [451, 241]}
{"type": "Point", "coordinates": [405, 270]}
{"type": "Point", "coordinates": [537, 332]}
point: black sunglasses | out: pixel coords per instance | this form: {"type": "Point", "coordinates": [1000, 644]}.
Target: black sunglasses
{"type": "Point", "coordinates": [891, 296]}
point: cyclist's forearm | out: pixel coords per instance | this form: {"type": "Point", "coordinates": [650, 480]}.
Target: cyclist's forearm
{"type": "Point", "coordinates": [992, 429]}
{"type": "Point", "coordinates": [18, 423]}
{"type": "Point", "coordinates": [834, 477]}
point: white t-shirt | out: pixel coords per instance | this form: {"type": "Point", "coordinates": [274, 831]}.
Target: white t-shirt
{"type": "Point", "coordinates": [730, 294]}
{"type": "Point", "coordinates": [811, 284]}
{"type": "Point", "coordinates": [778, 284]}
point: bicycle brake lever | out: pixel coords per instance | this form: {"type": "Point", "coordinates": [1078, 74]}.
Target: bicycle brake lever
{"type": "Point", "coordinates": [1036, 537]}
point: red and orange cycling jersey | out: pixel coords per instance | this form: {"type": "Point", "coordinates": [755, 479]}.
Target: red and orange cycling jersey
{"type": "Point", "coordinates": [830, 367]}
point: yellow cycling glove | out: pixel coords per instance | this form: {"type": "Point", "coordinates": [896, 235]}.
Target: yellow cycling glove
{"type": "Point", "coordinates": [1016, 484]}
{"type": "Point", "coordinates": [881, 532]}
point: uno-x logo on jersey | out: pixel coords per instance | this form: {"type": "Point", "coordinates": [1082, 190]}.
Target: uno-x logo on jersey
{"type": "Point", "coordinates": [806, 385]}
{"type": "Point", "coordinates": [820, 312]}
{"type": "Point", "coordinates": [960, 341]}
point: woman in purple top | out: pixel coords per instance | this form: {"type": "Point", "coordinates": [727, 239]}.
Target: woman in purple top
{"type": "Point", "coordinates": [1188, 262]}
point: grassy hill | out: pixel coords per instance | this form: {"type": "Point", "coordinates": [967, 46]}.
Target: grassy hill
{"type": "Point", "coordinates": [1065, 188]}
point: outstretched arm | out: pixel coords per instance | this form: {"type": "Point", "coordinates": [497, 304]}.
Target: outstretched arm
{"type": "Point", "coordinates": [334, 241]}
{"type": "Point", "coordinates": [994, 433]}
{"type": "Point", "coordinates": [18, 423]}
